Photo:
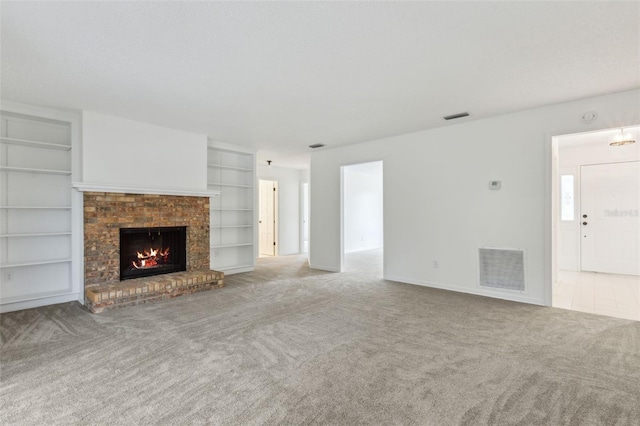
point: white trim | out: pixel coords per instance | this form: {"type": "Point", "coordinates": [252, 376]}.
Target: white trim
{"type": "Point", "coordinates": [37, 302]}
{"type": "Point", "coordinates": [211, 144]}
{"type": "Point", "coordinates": [77, 247]}
{"type": "Point", "coordinates": [98, 187]}
{"type": "Point", "coordinates": [512, 296]}
{"type": "Point", "coordinates": [323, 268]}
{"type": "Point", "coordinates": [235, 269]}
{"type": "Point", "coordinates": [38, 111]}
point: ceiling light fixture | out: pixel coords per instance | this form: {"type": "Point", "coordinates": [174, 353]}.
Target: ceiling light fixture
{"type": "Point", "coordinates": [268, 162]}
{"type": "Point", "coordinates": [622, 139]}
{"type": "Point", "coordinates": [316, 145]}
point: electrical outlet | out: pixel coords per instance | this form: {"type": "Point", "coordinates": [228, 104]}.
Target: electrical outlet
{"type": "Point", "coordinates": [436, 265]}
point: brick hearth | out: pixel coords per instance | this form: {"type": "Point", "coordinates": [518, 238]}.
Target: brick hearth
{"type": "Point", "coordinates": [150, 289]}
{"type": "Point", "coordinates": [105, 213]}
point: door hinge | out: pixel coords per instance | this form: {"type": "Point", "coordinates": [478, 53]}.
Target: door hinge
{"type": "Point", "coordinates": [274, 189]}
{"type": "Point", "coordinates": [274, 243]}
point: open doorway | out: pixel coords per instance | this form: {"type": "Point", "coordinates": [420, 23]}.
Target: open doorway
{"type": "Point", "coordinates": [596, 186]}
{"type": "Point", "coordinates": [362, 227]}
{"type": "Point", "coordinates": [267, 218]}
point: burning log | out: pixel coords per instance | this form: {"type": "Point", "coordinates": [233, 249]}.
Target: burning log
{"type": "Point", "coordinates": [151, 258]}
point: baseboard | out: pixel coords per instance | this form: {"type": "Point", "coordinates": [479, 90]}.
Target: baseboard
{"type": "Point", "coordinates": [37, 302]}
{"type": "Point", "coordinates": [232, 271]}
{"type": "Point", "coordinates": [513, 297]}
{"type": "Point", "coordinates": [323, 268]}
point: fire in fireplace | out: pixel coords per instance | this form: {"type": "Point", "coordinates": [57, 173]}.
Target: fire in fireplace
{"type": "Point", "coordinates": [152, 251]}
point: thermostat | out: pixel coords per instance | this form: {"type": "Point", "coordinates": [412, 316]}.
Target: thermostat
{"type": "Point", "coordinates": [495, 184]}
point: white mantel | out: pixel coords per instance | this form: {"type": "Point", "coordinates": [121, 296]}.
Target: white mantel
{"type": "Point", "coordinates": [97, 187]}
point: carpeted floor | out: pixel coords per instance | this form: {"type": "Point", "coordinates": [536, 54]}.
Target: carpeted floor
{"type": "Point", "coordinates": [287, 345]}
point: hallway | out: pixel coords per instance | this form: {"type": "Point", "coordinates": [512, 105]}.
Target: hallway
{"type": "Point", "coordinates": [604, 294]}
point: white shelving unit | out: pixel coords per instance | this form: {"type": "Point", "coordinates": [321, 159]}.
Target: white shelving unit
{"type": "Point", "coordinates": [232, 228]}
{"type": "Point", "coordinates": [35, 210]}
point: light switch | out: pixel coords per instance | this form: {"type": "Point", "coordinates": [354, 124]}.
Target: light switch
{"type": "Point", "coordinates": [495, 184]}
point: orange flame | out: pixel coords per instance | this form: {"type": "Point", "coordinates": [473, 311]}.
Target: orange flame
{"type": "Point", "coordinates": [152, 257]}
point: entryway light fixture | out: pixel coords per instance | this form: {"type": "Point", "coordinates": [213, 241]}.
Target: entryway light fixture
{"type": "Point", "coordinates": [268, 162]}
{"type": "Point", "coordinates": [622, 139]}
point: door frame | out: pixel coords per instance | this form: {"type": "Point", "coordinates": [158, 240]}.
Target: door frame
{"type": "Point", "coordinates": [552, 207]}
{"type": "Point", "coordinates": [342, 208]}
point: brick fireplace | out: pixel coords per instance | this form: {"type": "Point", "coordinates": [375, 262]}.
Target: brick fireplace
{"type": "Point", "coordinates": [105, 213]}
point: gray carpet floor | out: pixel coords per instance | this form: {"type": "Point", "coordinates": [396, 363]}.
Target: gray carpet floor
{"type": "Point", "coordinates": [288, 345]}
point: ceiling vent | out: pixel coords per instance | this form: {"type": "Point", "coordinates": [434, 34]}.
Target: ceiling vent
{"type": "Point", "coordinates": [454, 116]}
{"type": "Point", "coordinates": [316, 145]}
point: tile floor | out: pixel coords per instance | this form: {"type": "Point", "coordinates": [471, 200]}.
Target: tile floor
{"type": "Point", "coordinates": [605, 294]}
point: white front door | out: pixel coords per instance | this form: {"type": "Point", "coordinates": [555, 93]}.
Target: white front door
{"type": "Point", "coordinates": [266, 227]}
{"type": "Point", "coordinates": [609, 218]}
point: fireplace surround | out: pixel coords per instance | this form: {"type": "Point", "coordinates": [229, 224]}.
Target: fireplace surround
{"type": "Point", "coordinates": [105, 213]}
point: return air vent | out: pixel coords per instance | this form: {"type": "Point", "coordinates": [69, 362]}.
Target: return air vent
{"type": "Point", "coordinates": [501, 268]}
{"type": "Point", "coordinates": [454, 116]}
{"type": "Point", "coordinates": [316, 145]}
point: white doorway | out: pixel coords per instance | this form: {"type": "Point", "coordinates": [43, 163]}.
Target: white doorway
{"type": "Point", "coordinates": [267, 217]}
{"type": "Point", "coordinates": [362, 224]}
{"type": "Point", "coordinates": [596, 223]}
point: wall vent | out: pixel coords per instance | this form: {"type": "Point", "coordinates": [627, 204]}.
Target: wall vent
{"type": "Point", "coordinates": [454, 116]}
{"type": "Point", "coordinates": [501, 268]}
{"type": "Point", "coordinates": [316, 145]}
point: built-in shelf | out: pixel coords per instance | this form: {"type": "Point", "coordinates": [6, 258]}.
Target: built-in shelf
{"type": "Point", "coordinates": [220, 166]}
{"type": "Point", "coordinates": [231, 185]}
{"type": "Point", "coordinates": [46, 145]}
{"type": "Point", "coordinates": [36, 207]}
{"type": "Point", "coordinates": [231, 245]}
{"type": "Point", "coordinates": [34, 170]}
{"type": "Point", "coordinates": [33, 208]}
{"type": "Point", "coordinates": [232, 214]}
{"type": "Point", "coordinates": [40, 234]}
{"type": "Point", "coordinates": [33, 263]}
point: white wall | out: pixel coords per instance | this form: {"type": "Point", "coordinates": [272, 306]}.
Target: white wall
{"type": "Point", "coordinates": [579, 150]}
{"type": "Point", "coordinates": [362, 199]}
{"type": "Point", "coordinates": [288, 238]}
{"type": "Point", "coordinates": [117, 151]}
{"type": "Point", "coordinates": [437, 205]}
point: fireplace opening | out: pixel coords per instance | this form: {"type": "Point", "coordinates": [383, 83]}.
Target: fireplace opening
{"type": "Point", "coordinates": [152, 251]}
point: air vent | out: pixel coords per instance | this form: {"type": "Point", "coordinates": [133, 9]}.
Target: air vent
{"type": "Point", "coordinates": [501, 268]}
{"type": "Point", "coordinates": [316, 145]}
{"type": "Point", "coordinates": [454, 116]}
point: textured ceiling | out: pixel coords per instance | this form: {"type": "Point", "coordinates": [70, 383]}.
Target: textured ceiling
{"type": "Point", "coordinates": [280, 76]}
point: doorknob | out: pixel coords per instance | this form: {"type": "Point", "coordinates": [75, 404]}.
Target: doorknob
{"type": "Point", "coordinates": [584, 215]}
{"type": "Point", "coordinates": [584, 223]}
